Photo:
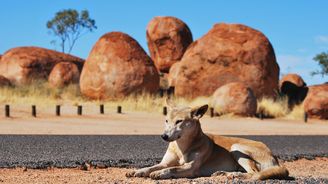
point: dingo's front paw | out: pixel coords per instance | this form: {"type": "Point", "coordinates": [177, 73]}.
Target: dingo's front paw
{"type": "Point", "coordinates": [159, 175]}
{"type": "Point", "coordinates": [138, 173]}
{"type": "Point", "coordinates": [130, 173]}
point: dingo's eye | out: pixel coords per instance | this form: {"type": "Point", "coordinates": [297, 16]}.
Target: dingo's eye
{"type": "Point", "coordinates": [177, 122]}
{"type": "Point", "coordinates": [166, 121]}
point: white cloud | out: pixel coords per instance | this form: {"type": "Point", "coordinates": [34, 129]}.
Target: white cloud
{"type": "Point", "coordinates": [302, 66]}
{"type": "Point", "coordinates": [321, 39]}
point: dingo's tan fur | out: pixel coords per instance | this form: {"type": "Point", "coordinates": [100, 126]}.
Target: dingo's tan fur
{"type": "Point", "coordinates": [192, 153]}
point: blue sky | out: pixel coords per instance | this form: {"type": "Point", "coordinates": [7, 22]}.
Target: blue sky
{"type": "Point", "coordinates": [297, 29]}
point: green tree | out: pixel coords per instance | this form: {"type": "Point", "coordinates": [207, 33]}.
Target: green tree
{"type": "Point", "coordinates": [69, 25]}
{"type": "Point", "coordinates": [322, 60]}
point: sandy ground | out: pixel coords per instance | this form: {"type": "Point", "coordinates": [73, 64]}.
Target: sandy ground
{"type": "Point", "coordinates": [299, 169]}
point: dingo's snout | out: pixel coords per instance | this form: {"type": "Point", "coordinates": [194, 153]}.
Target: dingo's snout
{"type": "Point", "coordinates": [165, 137]}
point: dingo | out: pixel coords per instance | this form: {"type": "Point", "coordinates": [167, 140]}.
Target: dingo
{"type": "Point", "coordinates": [191, 153]}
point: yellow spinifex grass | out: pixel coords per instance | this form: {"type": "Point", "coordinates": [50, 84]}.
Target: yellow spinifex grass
{"type": "Point", "coordinates": [38, 93]}
{"type": "Point", "coordinates": [297, 113]}
{"type": "Point", "coordinates": [41, 94]}
{"type": "Point", "coordinates": [276, 108]}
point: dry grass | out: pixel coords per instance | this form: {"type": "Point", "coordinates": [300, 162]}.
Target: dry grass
{"type": "Point", "coordinates": [273, 108]}
{"type": "Point", "coordinates": [279, 108]}
{"type": "Point", "coordinates": [297, 113]}
{"type": "Point", "coordinates": [42, 95]}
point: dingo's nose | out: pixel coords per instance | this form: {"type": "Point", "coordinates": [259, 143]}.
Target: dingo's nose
{"type": "Point", "coordinates": [164, 137]}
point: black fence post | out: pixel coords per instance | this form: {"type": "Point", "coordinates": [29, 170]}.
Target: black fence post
{"type": "Point", "coordinates": [79, 110]}
{"type": "Point", "coordinates": [33, 110]}
{"type": "Point", "coordinates": [164, 111]}
{"type": "Point", "coordinates": [119, 109]}
{"type": "Point", "coordinates": [305, 117]}
{"type": "Point", "coordinates": [7, 111]}
{"type": "Point", "coordinates": [161, 92]}
{"type": "Point", "coordinates": [57, 110]}
{"type": "Point", "coordinates": [102, 109]}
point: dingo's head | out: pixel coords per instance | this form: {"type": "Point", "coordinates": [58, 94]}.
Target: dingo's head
{"type": "Point", "coordinates": [181, 122]}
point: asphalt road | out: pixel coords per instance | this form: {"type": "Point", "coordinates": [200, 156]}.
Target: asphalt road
{"type": "Point", "coordinates": [41, 151]}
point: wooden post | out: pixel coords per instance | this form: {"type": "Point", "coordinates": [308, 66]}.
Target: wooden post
{"type": "Point", "coordinates": [7, 111]}
{"type": "Point", "coordinates": [161, 92]}
{"type": "Point", "coordinates": [102, 109]}
{"type": "Point", "coordinates": [33, 110]}
{"type": "Point", "coordinates": [212, 112]}
{"type": "Point", "coordinates": [261, 115]}
{"type": "Point", "coordinates": [57, 110]}
{"type": "Point", "coordinates": [164, 111]}
{"type": "Point", "coordinates": [79, 110]}
{"type": "Point", "coordinates": [305, 117]}
{"type": "Point", "coordinates": [119, 109]}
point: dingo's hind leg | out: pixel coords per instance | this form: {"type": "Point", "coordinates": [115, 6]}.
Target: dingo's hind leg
{"type": "Point", "coordinates": [269, 166]}
{"type": "Point", "coordinates": [241, 155]}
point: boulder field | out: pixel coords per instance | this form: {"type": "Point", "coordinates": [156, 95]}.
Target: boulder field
{"type": "Point", "coordinates": [63, 74]}
{"type": "Point", "coordinates": [227, 53]}
{"type": "Point", "coordinates": [168, 39]}
{"type": "Point", "coordinates": [316, 102]}
{"type": "Point", "coordinates": [4, 82]}
{"type": "Point", "coordinates": [22, 65]}
{"type": "Point", "coordinates": [117, 66]}
{"type": "Point", "coordinates": [294, 87]}
{"type": "Point", "coordinates": [234, 98]}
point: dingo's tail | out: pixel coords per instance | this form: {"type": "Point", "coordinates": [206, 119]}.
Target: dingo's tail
{"type": "Point", "coordinates": [275, 172]}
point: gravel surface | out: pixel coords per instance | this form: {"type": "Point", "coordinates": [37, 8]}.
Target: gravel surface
{"type": "Point", "coordinates": [304, 171]}
{"type": "Point", "coordinates": [65, 151]}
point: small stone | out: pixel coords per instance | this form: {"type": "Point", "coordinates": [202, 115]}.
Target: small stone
{"type": "Point", "coordinates": [86, 167]}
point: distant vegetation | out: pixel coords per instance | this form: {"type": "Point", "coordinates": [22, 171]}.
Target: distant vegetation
{"type": "Point", "coordinates": [69, 25]}
{"type": "Point", "coordinates": [322, 60]}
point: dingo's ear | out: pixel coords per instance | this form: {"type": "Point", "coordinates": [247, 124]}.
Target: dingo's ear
{"type": "Point", "coordinates": [198, 112]}
{"type": "Point", "coordinates": [169, 103]}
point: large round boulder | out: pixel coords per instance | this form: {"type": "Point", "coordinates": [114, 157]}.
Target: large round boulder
{"type": "Point", "coordinates": [168, 39]}
{"type": "Point", "coordinates": [234, 98]}
{"type": "Point", "coordinates": [63, 74]}
{"type": "Point", "coordinates": [316, 102]}
{"type": "Point", "coordinates": [116, 67]}
{"type": "Point", "coordinates": [294, 87]}
{"type": "Point", "coordinates": [4, 82]}
{"type": "Point", "coordinates": [228, 53]}
{"type": "Point", "coordinates": [22, 65]}
{"type": "Point", "coordinates": [173, 74]}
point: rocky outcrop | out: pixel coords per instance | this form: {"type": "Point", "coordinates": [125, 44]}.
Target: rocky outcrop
{"type": "Point", "coordinates": [116, 67]}
{"type": "Point", "coordinates": [316, 102]}
{"type": "Point", "coordinates": [173, 74]}
{"type": "Point", "coordinates": [293, 86]}
{"type": "Point", "coordinates": [4, 82]}
{"type": "Point", "coordinates": [168, 39]}
{"type": "Point", "coordinates": [63, 74]}
{"type": "Point", "coordinates": [22, 65]}
{"type": "Point", "coordinates": [227, 53]}
{"type": "Point", "coordinates": [234, 98]}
